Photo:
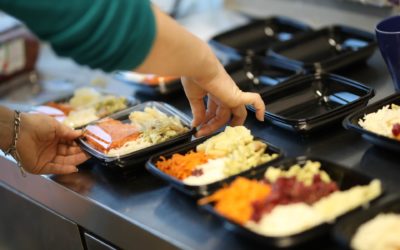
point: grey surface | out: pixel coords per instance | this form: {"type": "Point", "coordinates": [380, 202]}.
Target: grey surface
{"type": "Point", "coordinates": [26, 225]}
{"type": "Point", "coordinates": [143, 212]}
{"type": "Point", "coordinates": [94, 243]}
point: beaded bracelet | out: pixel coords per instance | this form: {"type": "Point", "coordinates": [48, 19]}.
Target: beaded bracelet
{"type": "Point", "coordinates": [13, 148]}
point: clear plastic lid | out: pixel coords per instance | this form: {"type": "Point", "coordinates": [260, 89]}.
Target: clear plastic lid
{"type": "Point", "coordinates": [84, 106]}
{"type": "Point", "coordinates": [134, 131]}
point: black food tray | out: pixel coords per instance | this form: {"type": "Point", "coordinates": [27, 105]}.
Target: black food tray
{"type": "Point", "coordinates": [327, 49]}
{"type": "Point", "coordinates": [345, 229]}
{"type": "Point", "coordinates": [158, 89]}
{"type": "Point", "coordinates": [259, 74]}
{"type": "Point", "coordinates": [136, 159]}
{"type": "Point", "coordinates": [351, 123]}
{"type": "Point", "coordinates": [344, 177]}
{"type": "Point", "coordinates": [310, 102]}
{"type": "Point", "coordinates": [203, 190]}
{"type": "Point", "coordinates": [256, 37]}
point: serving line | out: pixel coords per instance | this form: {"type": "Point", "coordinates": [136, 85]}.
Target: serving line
{"type": "Point", "coordinates": [143, 212]}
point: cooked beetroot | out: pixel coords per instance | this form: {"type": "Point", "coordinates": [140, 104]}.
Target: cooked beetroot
{"type": "Point", "coordinates": [289, 190]}
{"type": "Point", "coordinates": [396, 129]}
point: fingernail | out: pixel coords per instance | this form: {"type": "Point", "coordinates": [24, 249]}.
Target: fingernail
{"type": "Point", "coordinates": [76, 170]}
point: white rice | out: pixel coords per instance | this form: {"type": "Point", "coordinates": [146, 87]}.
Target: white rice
{"type": "Point", "coordinates": [213, 171]}
{"type": "Point", "coordinates": [381, 121]}
{"type": "Point", "coordinates": [380, 233]}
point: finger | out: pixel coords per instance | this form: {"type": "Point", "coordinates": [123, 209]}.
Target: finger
{"type": "Point", "coordinates": [257, 102]}
{"type": "Point", "coordinates": [54, 168]}
{"type": "Point", "coordinates": [222, 117]}
{"type": "Point", "coordinates": [75, 159]}
{"type": "Point", "coordinates": [68, 134]}
{"type": "Point", "coordinates": [211, 109]}
{"type": "Point", "coordinates": [198, 111]}
{"type": "Point", "coordinates": [65, 150]}
{"type": "Point", "coordinates": [239, 116]}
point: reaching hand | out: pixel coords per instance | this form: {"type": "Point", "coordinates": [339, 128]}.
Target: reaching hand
{"type": "Point", "coordinates": [226, 102]}
{"type": "Point", "coordinates": [45, 146]}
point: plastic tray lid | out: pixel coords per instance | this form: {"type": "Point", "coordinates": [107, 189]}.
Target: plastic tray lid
{"type": "Point", "coordinates": [344, 177]}
{"type": "Point", "coordinates": [310, 101]}
{"type": "Point", "coordinates": [257, 36]}
{"type": "Point", "coordinates": [43, 108]}
{"type": "Point", "coordinates": [258, 74]}
{"type": "Point", "coordinates": [200, 190]}
{"type": "Point", "coordinates": [123, 116]}
{"type": "Point", "coordinates": [327, 49]}
{"type": "Point", "coordinates": [166, 85]}
{"type": "Point", "coordinates": [351, 123]}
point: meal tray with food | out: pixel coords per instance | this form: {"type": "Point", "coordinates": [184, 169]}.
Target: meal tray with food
{"type": "Point", "coordinates": [378, 123]}
{"type": "Point", "coordinates": [84, 106]}
{"type": "Point", "coordinates": [327, 49]}
{"type": "Point", "coordinates": [312, 101]}
{"type": "Point", "coordinates": [258, 74]}
{"type": "Point", "coordinates": [291, 204]}
{"type": "Point", "coordinates": [128, 138]}
{"type": "Point", "coordinates": [201, 166]}
{"type": "Point", "coordinates": [150, 84]}
{"type": "Point", "coordinates": [256, 37]}
{"type": "Point", "coordinates": [376, 228]}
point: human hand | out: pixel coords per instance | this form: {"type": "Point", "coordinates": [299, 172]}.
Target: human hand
{"type": "Point", "coordinates": [226, 102]}
{"type": "Point", "coordinates": [45, 146]}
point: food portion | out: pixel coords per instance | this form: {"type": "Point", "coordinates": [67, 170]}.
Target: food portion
{"type": "Point", "coordinates": [287, 202]}
{"type": "Point", "coordinates": [87, 105]}
{"type": "Point", "coordinates": [223, 155]}
{"type": "Point", "coordinates": [380, 233]}
{"type": "Point", "coordinates": [144, 128]}
{"type": "Point", "coordinates": [385, 121]}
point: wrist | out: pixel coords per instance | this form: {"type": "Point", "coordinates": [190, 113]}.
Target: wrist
{"type": "Point", "coordinates": [209, 66]}
{"type": "Point", "coordinates": [6, 128]}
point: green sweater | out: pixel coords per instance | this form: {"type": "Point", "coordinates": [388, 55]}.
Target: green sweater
{"type": "Point", "coordinates": [105, 34]}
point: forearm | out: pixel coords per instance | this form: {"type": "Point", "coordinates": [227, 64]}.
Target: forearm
{"type": "Point", "coordinates": [177, 52]}
{"type": "Point", "coordinates": [6, 127]}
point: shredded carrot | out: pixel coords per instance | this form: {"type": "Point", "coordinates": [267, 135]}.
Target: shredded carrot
{"type": "Point", "coordinates": [235, 201]}
{"type": "Point", "coordinates": [182, 166]}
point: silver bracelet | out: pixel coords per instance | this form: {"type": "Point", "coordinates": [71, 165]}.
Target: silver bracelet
{"type": "Point", "coordinates": [12, 150]}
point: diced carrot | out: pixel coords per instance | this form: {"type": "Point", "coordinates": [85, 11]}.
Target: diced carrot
{"type": "Point", "coordinates": [235, 201]}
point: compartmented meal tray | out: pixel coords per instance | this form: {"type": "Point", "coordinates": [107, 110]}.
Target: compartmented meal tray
{"type": "Point", "coordinates": [312, 101]}
{"type": "Point", "coordinates": [344, 177]}
{"type": "Point", "coordinates": [328, 49]}
{"type": "Point", "coordinates": [352, 123]}
{"type": "Point", "coordinates": [136, 158]}
{"type": "Point", "coordinates": [201, 190]}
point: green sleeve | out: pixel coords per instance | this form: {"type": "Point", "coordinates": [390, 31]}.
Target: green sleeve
{"type": "Point", "coordinates": [105, 34]}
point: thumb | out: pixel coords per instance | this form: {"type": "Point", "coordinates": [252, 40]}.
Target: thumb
{"type": "Point", "coordinates": [67, 133]}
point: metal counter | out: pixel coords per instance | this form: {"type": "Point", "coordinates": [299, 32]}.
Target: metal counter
{"type": "Point", "coordinates": [142, 212]}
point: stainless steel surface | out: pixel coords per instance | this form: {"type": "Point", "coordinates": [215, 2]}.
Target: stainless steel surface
{"type": "Point", "coordinates": [142, 212]}
{"type": "Point", "coordinates": [28, 225]}
{"type": "Point", "coordinates": [93, 243]}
